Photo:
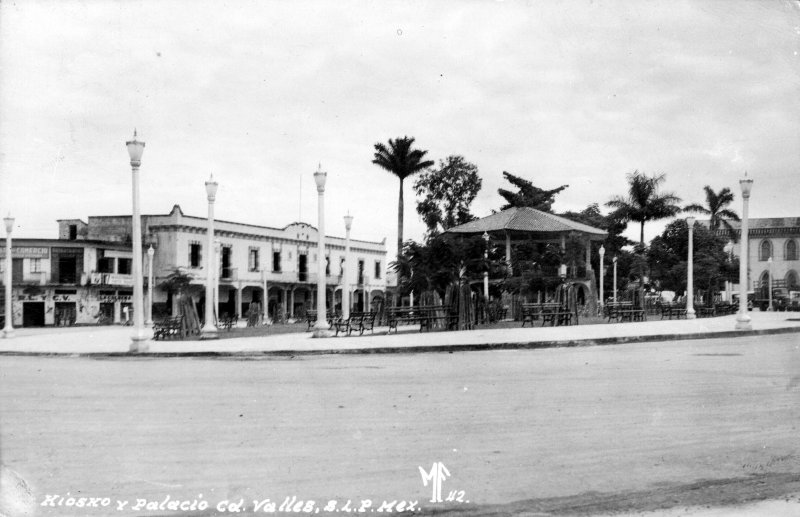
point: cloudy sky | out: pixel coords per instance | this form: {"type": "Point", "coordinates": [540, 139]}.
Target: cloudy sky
{"type": "Point", "coordinates": [260, 93]}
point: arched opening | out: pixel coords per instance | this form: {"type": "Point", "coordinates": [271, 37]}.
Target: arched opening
{"type": "Point", "coordinates": [765, 251]}
{"type": "Point", "coordinates": [790, 250]}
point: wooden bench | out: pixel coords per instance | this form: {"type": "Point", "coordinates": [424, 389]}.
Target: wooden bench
{"type": "Point", "coordinates": [425, 316]}
{"type": "Point", "coordinates": [705, 312]}
{"type": "Point", "coordinates": [228, 322]}
{"type": "Point", "coordinates": [168, 328]}
{"type": "Point", "coordinates": [358, 321]}
{"type": "Point", "coordinates": [558, 315]}
{"type": "Point", "coordinates": [669, 310]}
{"type": "Point", "coordinates": [534, 311]}
{"type": "Point", "coordinates": [330, 317]}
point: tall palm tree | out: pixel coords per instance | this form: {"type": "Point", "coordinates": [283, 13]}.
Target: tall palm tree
{"type": "Point", "coordinates": [644, 201]}
{"type": "Point", "coordinates": [716, 203]}
{"type": "Point", "coordinates": [402, 161]}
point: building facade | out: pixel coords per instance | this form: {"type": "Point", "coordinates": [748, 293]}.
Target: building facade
{"type": "Point", "coordinates": [778, 238]}
{"type": "Point", "coordinates": [65, 282]}
{"type": "Point", "coordinates": [84, 276]}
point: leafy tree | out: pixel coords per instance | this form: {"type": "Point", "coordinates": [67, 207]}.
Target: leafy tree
{"type": "Point", "coordinates": [402, 161]}
{"type": "Point", "coordinates": [528, 195]}
{"type": "Point", "coordinates": [668, 254]}
{"type": "Point", "coordinates": [591, 216]}
{"type": "Point", "coordinates": [644, 202]}
{"type": "Point", "coordinates": [716, 203]}
{"type": "Point", "coordinates": [177, 282]}
{"type": "Point", "coordinates": [447, 192]}
{"type": "Point", "coordinates": [441, 261]}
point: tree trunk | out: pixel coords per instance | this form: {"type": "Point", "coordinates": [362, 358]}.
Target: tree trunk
{"type": "Point", "coordinates": [400, 222]}
{"type": "Point", "coordinates": [641, 233]}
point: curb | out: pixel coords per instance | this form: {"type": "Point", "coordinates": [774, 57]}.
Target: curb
{"type": "Point", "coordinates": [476, 347]}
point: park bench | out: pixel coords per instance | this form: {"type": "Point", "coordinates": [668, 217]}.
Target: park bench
{"type": "Point", "coordinates": [725, 308]}
{"type": "Point", "coordinates": [311, 319]}
{"type": "Point", "coordinates": [228, 322]}
{"type": "Point", "coordinates": [668, 310]}
{"type": "Point", "coordinates": [533, 311]}
{"type": "Point", "coordinates": [358, 321]}
{"type": "Point", "coordinates": [558, 315]}
{"type": "Point", "coordinates": [623, 311]}
{"type": "Point", "coordinates": [703, 311]}
{"type": "Point", "coordinates": [171, 327]}
{"type": "Point", "coordinates": [426, 316]}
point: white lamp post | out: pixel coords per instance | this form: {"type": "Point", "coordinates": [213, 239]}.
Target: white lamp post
{"type": "Point", "coordinates": [486, 262]}
{"type": "Point", "coordinates": [150, 253]}
{"type": "Point", "coordinates": [321, 326]}
{"type": "Point", "coordinates": [769, 264]}
{"type": "Point", "coordinates": [690, 314]}
{"type": "Point", "coordinates": [602, 253]}
{"type": "Point", "coordinates": [348, 223]}
{"type": "Point", "coordinates": [8, 329]}
{"type": "Point", "coordinates": [615, 278]}
{"type": "Point", "coordinates": [135, 150]}
{"type": "Point", "coordinates": [742, 318]}
{"type": "Point", "coordinates": [209, 330]}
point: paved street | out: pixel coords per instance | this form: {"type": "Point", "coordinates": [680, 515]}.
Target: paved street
{"type": "Point", "coordinates": [539, 428]}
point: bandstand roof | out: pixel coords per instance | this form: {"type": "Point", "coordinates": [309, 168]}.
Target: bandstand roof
{"type": "Point", "coordinates": [534, 224]}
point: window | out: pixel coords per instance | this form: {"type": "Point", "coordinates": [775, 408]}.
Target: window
{"type": "Point", "coordinates": [73, 232]}
{"type": "Point", "coordinates": [327, 266]}
{"type": "Point", "coordinates": [341, 266]}
{"type": "Point", "coordinates": [791, 279]}
{"type": "Point", "coordinates": [360, 272]}
{"type": "Point", "coordinates": [124, 266]}
{"type": "Point", "coordinates": [225, 262]}
{"type": "Point", "coordinates": [36, 265]}
{"type": "Point", "coordinates": [195, 254]}
{"type": "Point", "coordinates": [276, 261]}
{"type": "Point", "coordinates": [377, 269]}
{"type": "Point", "coordinates": [790, 253]}
{"type": "Point", "coordinates": [252, 260]}
{"type": "Point", "coordinates": [765, 251]}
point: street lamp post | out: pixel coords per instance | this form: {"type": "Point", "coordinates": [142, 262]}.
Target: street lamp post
{"type": "Point", "coordinates": [486, 264]}
{"type": "Point", "coordinates": [135, 150]}
{"type": "Point", "coordinates": [348, 223]}
{"type": "Point", "coordinates": [150, 253]}
{"type": "Point", "coordinates": [209, 330]}
{"type": "Point", "coordinates": [321, 326]}
{"type": "Point", "coordinates": [769, 264]}
{"type": "Point", "coordinates": [690, 314]}
{"type": "Point", "coordinates": [8, 329]}
{"type": "Point", "coordinates": [742, 318]}
{"type": "Point", "coordinates": [615, 278]}
{"type": "Point", "coordinates": [602, 253]}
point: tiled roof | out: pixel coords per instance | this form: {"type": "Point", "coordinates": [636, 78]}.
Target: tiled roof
{"type": "Point", "coordinates": [526, 220]}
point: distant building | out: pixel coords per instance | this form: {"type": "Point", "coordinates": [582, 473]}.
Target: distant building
{"type": "Point", "coordinates": [778, 238]}
{"type": "Point", "coordinates": [85, 275]}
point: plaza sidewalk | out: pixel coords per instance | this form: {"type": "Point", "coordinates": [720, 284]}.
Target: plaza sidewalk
{"type": "Point", "coordinates": [116, 340]}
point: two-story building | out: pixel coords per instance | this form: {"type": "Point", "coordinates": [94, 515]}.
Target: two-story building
{"type": "Point", "coordinates": [84, 276]}
{"type": "Point", "coordinates": [777, 238]}
{"type": "Point", "coordinates": [64, 282]}
{"type": "Point", "coordinates": [248, 257]}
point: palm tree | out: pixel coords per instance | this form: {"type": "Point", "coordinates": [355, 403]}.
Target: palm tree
{"type": "Point", "coordinates": [716, 203]}
{"type": "Point", "coordinates": [644, 202]}
{"type": "Point", "coordinates": [402, 161]}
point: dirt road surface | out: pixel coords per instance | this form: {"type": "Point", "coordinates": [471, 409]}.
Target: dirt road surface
{"type": "Point", "coordinates": [625, 429]}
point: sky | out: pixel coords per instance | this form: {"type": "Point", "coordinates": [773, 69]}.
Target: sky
{"type": "Point", "coordinates": [260, 94]}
